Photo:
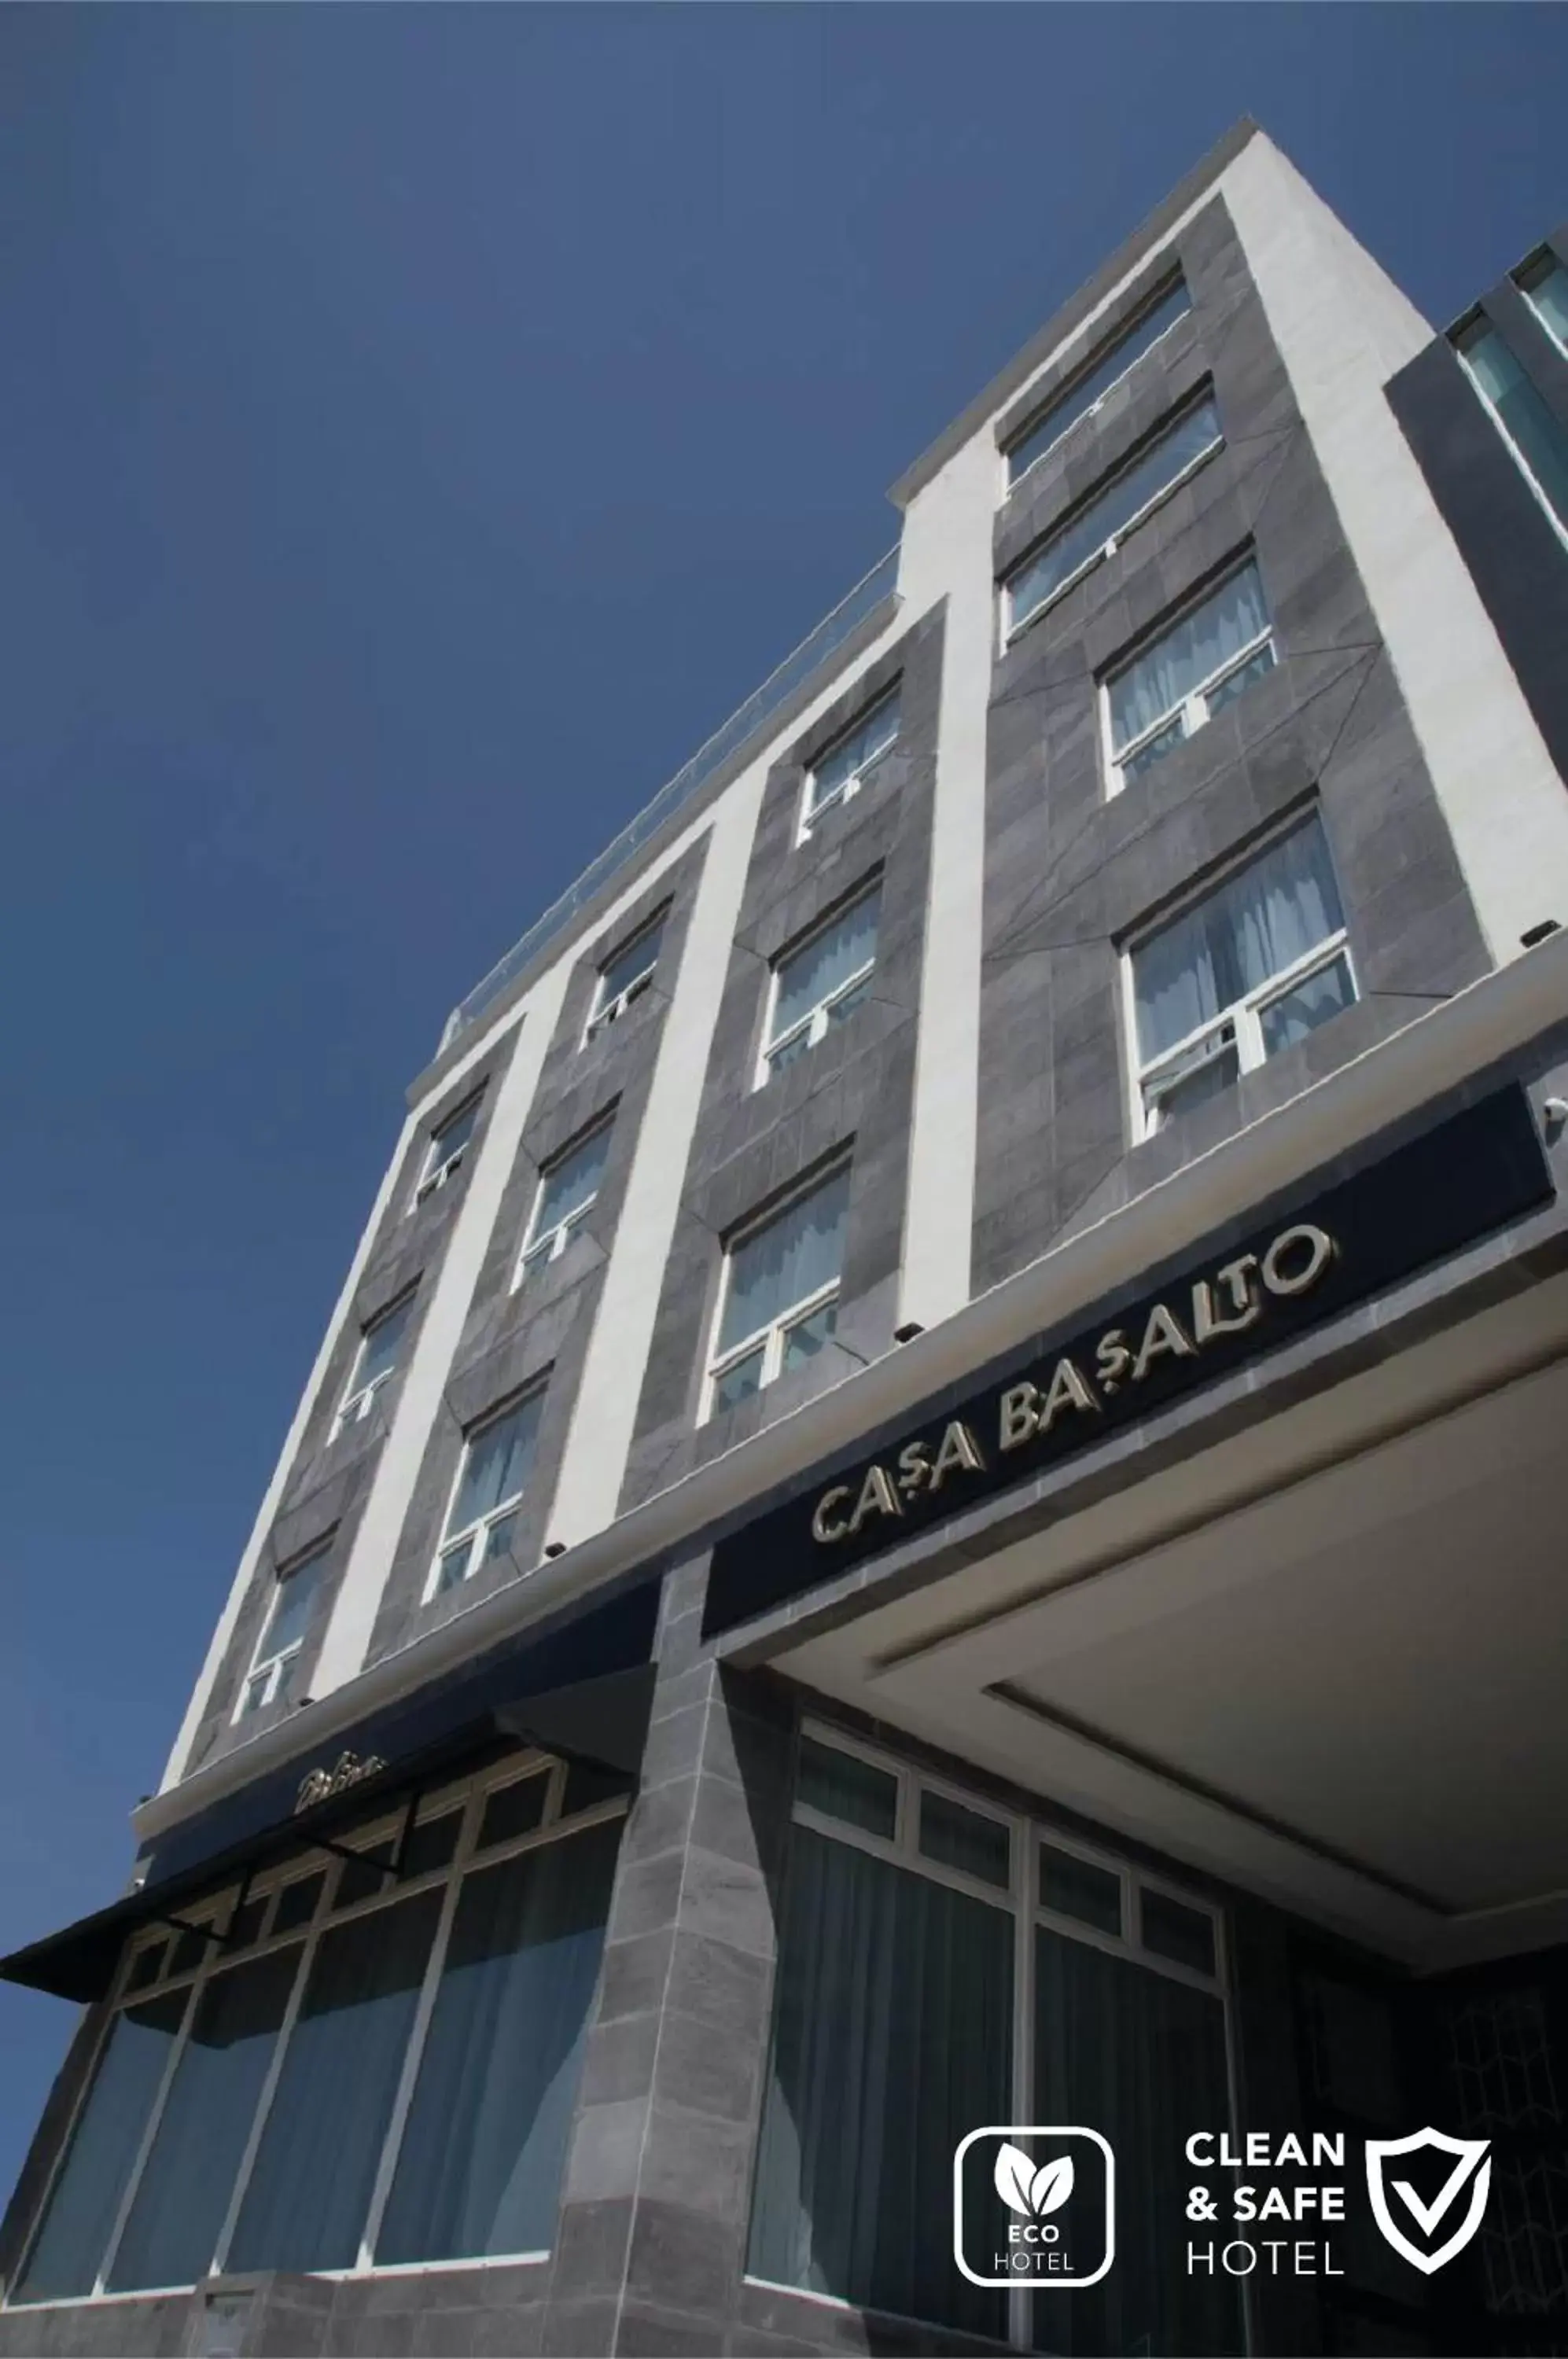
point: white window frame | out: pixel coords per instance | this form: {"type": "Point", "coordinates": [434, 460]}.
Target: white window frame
{"type": "Point", "coordinates": [814, 1023]}
{"type": "Point", "coordinates": [1550, 258]}
{"type": "Point", "coordinates": [813, 811]}
{"type": "Point", "coordinates": [1021, 1900]}
{"type": "Point", "coordinates": [608, 1011]}
{"type": "Point", "coordinates": [1192, 709]}
{"type": "Point", "coordinates": [475, 1532]}
{"type": "Point", "coordinates": [468, 1796]}
{"type": "Point", "coordinates": [770, 1339]}
{"type": "Point", "coordinates": [1014, 625]}
{"type": "Point", "coordinates": [1064, 392]}
{"type": "Point", "coordinates": [543, 1246]}
{"type": "Point", "coordinates": [1496, 414]}
{"type": "Point", "coordinates": [273, 1665]}
{"type": "Point", "coordinates": [438, 1168]}
{"type": "Point", "coordinates": [357, 1400]}
{"type": "Point", "coordinates": [1239, 1024]}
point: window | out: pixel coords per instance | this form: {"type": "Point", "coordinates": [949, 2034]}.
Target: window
{"type": "Point", "coordinates": [1543, 283]}
{"type": "Point", "coordinates": [1181, 680]}
{"type": "Point", "coordinates": [1534, 434]}
{"type": "Point", "coordinates": [626, 975]}
{"type": "Point", "coordinates": [271, 1676]}
{"type": "Point", "coordinates": [1087, 391]}
{"type": "Point", "coordinates": [379, 2080]}
{"type": "Point", "coordinates": [780, 1299]}
{"type": "Point", "coordinates": [448, 1144]}
{"type": "Point", "coordinates": [567, 1189]}
{"type": "Point", "coordinates": [819, 983]}
{"type": "Point", "coordinates": [842, 771]}
{"type": "Point", "coordinates": [912, 1953]}
{"type": "Point", "coordinates": [497, 1457]}
{"type": "Point", "coordinates": [1258, 963]}
{"type": "Point", "coordinates": [377, 1361]}
{"type": "Point", "coordinates": [1098, 529]}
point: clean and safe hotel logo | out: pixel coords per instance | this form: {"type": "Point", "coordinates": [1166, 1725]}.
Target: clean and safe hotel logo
{"type": "Point", "coordinates": [1041, 2216]}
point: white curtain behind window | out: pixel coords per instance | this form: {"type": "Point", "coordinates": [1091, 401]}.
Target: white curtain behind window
{"type": "Point", "coordinates": [788, 1260]}
{"type": "Point", "coordinates": [1256, 924]}
{"type": "Point", "coordinates": [1189, 652]}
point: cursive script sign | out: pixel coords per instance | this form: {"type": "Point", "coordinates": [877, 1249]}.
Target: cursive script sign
{"type": "Point", "coordinates": [348, 1769]}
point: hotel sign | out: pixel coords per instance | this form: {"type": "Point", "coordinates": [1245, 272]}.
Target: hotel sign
{"type": "Point", "coordinates": [1333, 1248]}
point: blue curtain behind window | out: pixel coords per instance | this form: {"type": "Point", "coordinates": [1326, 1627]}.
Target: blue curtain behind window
{"type": "Point", "coordinates": [87, 2193]}
{"type": "Point", "coordinates": [892, 2041]}
{"type": "Point", "coordinates": [315, 2167]}
{"type": "Point", "coordinates": [479, 2166]}
{"type": "Point", "coordinates": [184, 2193]}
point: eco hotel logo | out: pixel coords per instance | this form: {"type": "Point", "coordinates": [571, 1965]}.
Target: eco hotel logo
{"type": "Point", "coordinates": [1046, 2217]}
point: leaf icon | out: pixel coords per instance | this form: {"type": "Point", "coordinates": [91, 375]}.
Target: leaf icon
{"type": "Point", "coordinates": [1012, 2175]}
{"type": "Point", "coordinates": [1050, 2186]}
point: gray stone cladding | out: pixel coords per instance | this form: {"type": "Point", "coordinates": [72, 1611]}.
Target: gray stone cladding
{"type": "Point", "coordinates": [330, 1479]}
{"type": "Point", "coordinates": [1071, 872]}
{"type": "Point", "coordinates": [538, 1333]}
{"type": "Point", "coordinates": [853, 1091]}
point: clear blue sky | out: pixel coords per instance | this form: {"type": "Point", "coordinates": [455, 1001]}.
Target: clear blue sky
{"type": "Point", "coordinates": [418, 428]}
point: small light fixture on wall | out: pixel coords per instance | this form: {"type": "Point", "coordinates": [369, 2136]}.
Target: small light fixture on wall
{"type": "Point", "coordinates": [555, 1548]}
{"type": "Point", "coordinates": [1533, 934]}
{"type": "Point", "coordinates": [907, 1332]}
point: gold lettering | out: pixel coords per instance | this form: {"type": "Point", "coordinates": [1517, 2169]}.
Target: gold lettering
{"type": "Point", "coordinates": [1112, 1359]}
{"type": "Point", "coordinates": [1162, 1333]}
{"type": "Point", "coordinates": [914, 1468]}
{"type": "Point", "coordinates": [1019, 1415]}
{"type": "Point", "coordinates": [348, 1769]}
{"type": "Point", "coordinates": [1235, 1277]}
{"type": "Point", "coordinates": [958, 1448]}
{"type": "Point", "coordinates": [1319, 1248]}
{"type": "Point", "coordinates": [1067, 1390]}
{"type": "Point", "coordinates": [878, 1496]}
{"type": "Point", "coordinates": [821, 1528]}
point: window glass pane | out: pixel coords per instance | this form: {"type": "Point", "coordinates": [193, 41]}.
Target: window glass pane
{"type": "Point", "coordinates": [634, 958]}
{"type": "Point", "coordinates": [587, 1784]}
{"type": "Point", "coordinates": [778, 1057]}
{"type": "Point", "coordinates": [1546, 284]}
{"type": "Point", "coordinates": [1163, 742]}
{"type": "Point", "coordinates": [91, 2181]}
{"type": "Point", "coordinates": [1254, 925]}
{"type": "Point", "coordinates": [791, 1257]}
{"type": "Point", "coordinates": [842, 1786]}
{"type": "Point", "coordinates": [966, 1839]}
{"type": "Point", "coordinates": [245, 1925]}
{"type": "Point", "coordinates": [383, 1341]}
{"type": "Point", "coordinates": [1108, 514]}
{"type": "Point", "coordinates": [573, 1181]}
{"type": "Point", "coordinates": [848, 1001]}
{"type": "Point", "coordinates": [496, 1464]}
{"type": "Point", "coordinates": [295, 1595]}
{"type": "Point", "coordinates": [856, 751]}
{"type": "Point", "coordinates": [1206, 1078]}
{"type": "Point", "coordinates": [454, 1134]}
{"type": "Point", "coordinates": [362, 1879]}
{"type": "Point", "coordinates": [805, 1339]}
{"type": "Point", "coordinates": [514, 1810]}
{"type": "Point", "coordinates": [1256, 665]}
{"type": "Point", "coordinates": [1203, 641]}
{"type": "Point", "coordinates": [189, 1951]}
{"type": "Point", "coordinates": [1536, 432]}
{"type": "Point", "coordinates": [1077, 1888]}
{"type": "Point", "coordinates": [1301, 1011]}
{"type": "Point", "coordinates": [297, 1902]}
{"type": "Point", "coordinates": [433, 1843]}
{"type": "Point", "coordinates": [480, 2165]}
{"type": "Point", "coordinates": [738, 1384]}
{"type": "Point", "coordinates": [1172, 1930]}
{"type": "Point", "coordinates": [1142, 2058]}
{"type": "Point", "coordinates": [892, 2038]}
{"type": "Point", "coordinates": [1082, 396]}
{"type": "Point", "coordinates": [144, 1966]}
{"type": "Point", "coordinates": [185, 2189]}
{"type": "Point", "coordinates": [829, 958]}
{"type": "Point", "coordinates": [315, 2166]}
{"type": "Point", "coordinates": [453, 1567]}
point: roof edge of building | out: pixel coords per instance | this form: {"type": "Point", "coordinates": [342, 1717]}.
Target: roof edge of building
{"type": "Point", "coordinates": [1071, 314]}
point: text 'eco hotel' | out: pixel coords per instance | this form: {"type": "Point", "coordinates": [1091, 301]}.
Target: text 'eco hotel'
{"type": "Point", "coordinates": [934, 1502]}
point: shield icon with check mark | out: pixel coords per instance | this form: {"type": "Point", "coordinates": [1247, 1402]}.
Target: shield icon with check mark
{"type": "Point", "coordinates": [1473, 2164]}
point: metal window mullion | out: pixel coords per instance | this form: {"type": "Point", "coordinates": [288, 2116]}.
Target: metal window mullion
{"type": "Point", "coordinates": [264, 2102]}
{"type": "Point", "coordinates": [413, 2057]}
{"type": "Point", "coordinates": [154, 2117]}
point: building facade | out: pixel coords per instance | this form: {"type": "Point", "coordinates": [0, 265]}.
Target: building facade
{"type": "Point", "coordinates": [926, 1510]}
